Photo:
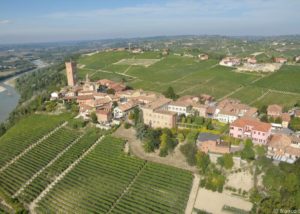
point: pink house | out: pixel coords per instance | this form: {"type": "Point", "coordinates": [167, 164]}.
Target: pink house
{"type": "Point", "coordinates": [257, 131]}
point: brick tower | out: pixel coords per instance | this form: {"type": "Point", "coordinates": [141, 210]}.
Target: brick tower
{"type": "Point", "coordinates": [71, 73]}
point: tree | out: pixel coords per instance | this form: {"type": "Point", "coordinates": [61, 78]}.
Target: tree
{"type": "Point", "coordinates": [291, 182]}
{"type": "Point", "coordinates": [199, 120]}
{"type": "Point", "coordinates": [248, 152]}
{"type": "Point", "coordinates": [149, 146]}
{"type": "Point", "coordinates": [228, 161]}
{"type": "Point", "coordinates": [141, 131]}
{"type": "Point", "coordinates": [189, 150]}
{"type": "Point", "coordinates": [263, 109]}
{"type": "Point", "coordinates": [278, 120]}
{"type": "Point", "coordinates": [295, 124]}
{"type": "Point", "coordinates": [94, 117]}
{"type": "Point", "coordinates": [192, 136]}
{"type": "Point", "coordinates": [169, 93]}
{"type": "Point", "coordinates": [202, 161]}
{"type": "Point", "coordinates": [110, 91]}
{"type": "Point", "coordinates": [2, 129]}
{"type": "Point", "coordinates": [264, 118]}
{"type": "Point", "coordinates": [163, 148]}
{"type": "Point", "coordinates": [180, 137]}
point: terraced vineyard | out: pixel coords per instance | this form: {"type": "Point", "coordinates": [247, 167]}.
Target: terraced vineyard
{"type": "Point", "coordinates": [49, 174]}
{"type": "Point", "coordinates": [26, 132]}
{"type": "Point", "coordinates": [109, 181]}
{"type": "Point", "coordinates": [16, 175]}
{"type": "Point", "coordinates": [77, 171]}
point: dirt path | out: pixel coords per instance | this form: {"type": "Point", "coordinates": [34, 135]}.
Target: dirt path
{"type": "Point", "coordinates": [193, 194]}
{"type": "Point", "coordinates": [45, 167]}
{"type": "Point", "coordinates": [175, 159]}
{"type": "Point", "coordinates": [34, 203]}
{"type": "Point", "coordinates": [32, 146]}
{"type": "Point", "coordinates": [260, 97]}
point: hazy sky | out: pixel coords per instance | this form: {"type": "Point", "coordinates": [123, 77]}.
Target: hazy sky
{"type": "Point", "coordinates": [62, 20]}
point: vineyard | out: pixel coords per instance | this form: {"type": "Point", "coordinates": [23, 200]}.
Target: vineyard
{"type": "Point", "coordinates": [52, 168]}
{"type": "Point", "coordinates": [108, 181]}
{"type": "Point", "coordinates": [16, 175]}
{"type": "Point", "coordinates": [26, 132]}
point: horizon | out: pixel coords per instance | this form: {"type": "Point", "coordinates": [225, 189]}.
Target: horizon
{"type": "Point", "coordinates": [60, 21]}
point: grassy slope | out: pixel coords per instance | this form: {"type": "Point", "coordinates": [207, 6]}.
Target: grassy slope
{"type": "Point", "coordinates": [190, 76]}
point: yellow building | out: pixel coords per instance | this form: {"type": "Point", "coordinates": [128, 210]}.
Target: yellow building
{"type": "Point", "coordinates": [156, 114]}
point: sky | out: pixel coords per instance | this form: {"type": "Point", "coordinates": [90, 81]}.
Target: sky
{"type": "Point", "coordinates": [69, 20]}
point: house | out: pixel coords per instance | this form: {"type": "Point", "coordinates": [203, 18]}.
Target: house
{"type": "Point", "coordinates": [243, 128]}
{"type": "Point", "coordinates": [104, 115]}
{"type": "Point", "coordinates": [251, 60]}
{"type": "Point", "coordinates": [156, 114]}
{"type": "Point", "coordinates": [286, 118]}
{"type": "Point", "coordinates": [200, 109]}
{"type": "Point", "coordinates": [284, 148]}
{"type": "Point", "coordinates": [229, 110]}
{"type": "Point", "coordinates": [274, 111]}
{"type": "Point", "coordinates": [203, 57]}
{"type": "Point", "coordinates": [297, 113]}
{"type": "Point", "coordinates": [280, 60]}
{"type": "Point", "coordinates": [230, 61]}
{"type": "Point", "coordinates": [86, 99]}
{"type": "Point", "coordinates": [180, 108]}
{"type": "Point", "coordinates": [123, 110]}
{"type": "Point", "coordinates": [206, 99]}
{"type": "Point", "coordinates": [108, 84]}
{"type": "Point", "coordinates": [211, 143]}
{"type": "Point", "coordinates": [137, 50]}
{"type": "Point", "coordinates": [55, 95]}
{"type": "Point", "coordinates": [165, 52]}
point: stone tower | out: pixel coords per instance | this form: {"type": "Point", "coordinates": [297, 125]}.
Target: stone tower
{"type": "Point", "coordinates": [71, 73]}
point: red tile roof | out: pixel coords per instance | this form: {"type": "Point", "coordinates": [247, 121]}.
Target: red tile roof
{"type": "Point", "coordinates": [256, 124]}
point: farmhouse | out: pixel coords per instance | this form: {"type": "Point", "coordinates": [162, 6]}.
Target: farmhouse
{"type": "Point", "coordinates": [284, 148]}
{"type": "Point", "coordinates": [203, 57]}
{"type": "Point", "coordinates": [297, 113]}
{"type": "Point", "coordinates": [251, 60]}
{"type": "Point", "coordinates": [280, 60]}
{"type": "Point", "coordinates": [230, 61]}
{"type": "Point", "coordinates": [123, 110]}
{"type": "Point", "coordinates": [229, 110]}
{"type": "Point", "coordinates": [104, 115]}
{"type": "Point", "coordinates": [211, 143]}
{"type": "Point", "coordinates": [274, 111]}
{"type": "Point", "coordinates": [257, 131]}
{"type": "Point", "coordinates": [156, 114]}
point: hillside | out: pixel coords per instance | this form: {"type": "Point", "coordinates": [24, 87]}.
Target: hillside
{"type": "Point", "coordinates": [190, 76]}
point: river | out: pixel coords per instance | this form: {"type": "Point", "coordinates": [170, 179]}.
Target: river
{"type": "Point", "coordinates": [9, 97]}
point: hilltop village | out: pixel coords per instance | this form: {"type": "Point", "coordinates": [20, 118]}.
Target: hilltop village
{"type": "Point", "coordinates": [113, 103]}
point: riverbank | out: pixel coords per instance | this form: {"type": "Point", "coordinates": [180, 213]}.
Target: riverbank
{"type": "Point", "coordinates": [2, 89]}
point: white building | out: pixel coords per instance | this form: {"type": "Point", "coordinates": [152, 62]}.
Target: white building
{"type": "Point", "coordinates": [180, 108]}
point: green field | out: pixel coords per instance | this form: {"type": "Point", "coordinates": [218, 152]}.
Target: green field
{"type": "Point", "coordinates": [190, 76]}
{"type": "Point", "coordinates": [105, 179]}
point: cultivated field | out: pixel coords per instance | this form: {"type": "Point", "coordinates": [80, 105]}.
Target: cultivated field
{"type": "Point", "coordinates": [190, 76]}
{"type": "Point", "coordinates": [58, 169]}
{"type": "Point", "coordinates": [137, 62]}
{"type": "Point", "coordinates": [109, 181]}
